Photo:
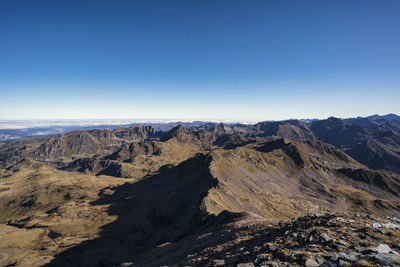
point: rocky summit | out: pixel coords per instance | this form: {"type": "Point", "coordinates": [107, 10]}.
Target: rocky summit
{"type": "Point", "coordinates": [287, 193]}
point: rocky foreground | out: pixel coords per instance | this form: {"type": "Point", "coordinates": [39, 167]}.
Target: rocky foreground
{"type": "Point", "coordinates": [312, 240]}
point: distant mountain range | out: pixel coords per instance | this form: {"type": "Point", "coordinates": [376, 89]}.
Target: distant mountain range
{"type": "Point", "coordinates": [205, 194]}
{"type": "Point", "coordinates": [11, 130]}
{"type": "Point", "coordinates": [373, 140]}
{"type": "Point", "coordinates": [16, 129]}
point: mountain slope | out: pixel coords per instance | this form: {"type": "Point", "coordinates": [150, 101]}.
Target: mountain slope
{"type": "Point", "coordinates": [229, 186]}
{"type": "Point", "coordinates": [179, 186]}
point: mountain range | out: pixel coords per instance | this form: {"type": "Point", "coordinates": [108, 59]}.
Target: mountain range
{"type": "Point", "coordinates": [274, 193]}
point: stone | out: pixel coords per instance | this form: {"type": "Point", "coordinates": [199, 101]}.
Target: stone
{"type": "Point", "coordinates": [365, 250]}
{"type": "Point", "coordinates": [270, 246]}
{"type": "Point", "coordinates": [342, 263]}
{"type": "Point", "coordinates": [262, 257]}
{"type": "Point", "coordinates": [246, 264]}
{"type": "Point", "coordinates": [331, 256]}
{"type": "Point", "coordinates": [383, 248]}
{"type": "Point", "coordinates": [319, 259]}
{"type": "Point", "coordinates": [348, 257]}
{"type": "Point", "coordinates": [391, 226]}
{"type": "Point", "coordinates": [376, 225]}
{"type": "Point", "coordinates": [386, 259]}
{"type": "Point", "coordinates": [219, 262]}
{"type": "Point", "coordinates": [326, 237]}
{"type": "Point", "coordinates": [311, 263]}
{"type": "Point", "coordinates": [328, 264]}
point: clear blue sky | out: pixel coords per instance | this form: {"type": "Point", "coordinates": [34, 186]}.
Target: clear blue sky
{"type": "Point", "coordinates": [240, 60]}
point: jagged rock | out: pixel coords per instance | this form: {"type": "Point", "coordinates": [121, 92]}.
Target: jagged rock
{"type": "Point", "coordinates": [319, 259]}
{"type": "Point", "coordinates": [348, 257]}
{"type": "Point", "coordinates": [246, 264]}
{"type": "Point", "coordinates": [386, 259]}
{"type": "Point", "coordinates": [343, 263]}
{"type": "Point", "coordinates": [331, 256]}
{"type": "Point", "coordinates": [383, 248]}
{"type": "Point", "coordinates": [343, 243]}
{"type": "Point", "coordinates": [311, 263]}
{"type": "Point", "coordinates": [328, 264]}
{"type": "Point", "coordinates": [326, 237]}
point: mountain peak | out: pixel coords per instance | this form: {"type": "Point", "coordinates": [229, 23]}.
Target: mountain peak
{"type": "Point", "coordinates": [179, 132]}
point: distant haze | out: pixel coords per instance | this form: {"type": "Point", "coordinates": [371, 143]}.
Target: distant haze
{"type": "Point", "coordinates": [23, 124]}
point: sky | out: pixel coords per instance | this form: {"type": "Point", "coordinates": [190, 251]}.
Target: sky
{"type": "Point", "coordinates": [199, 60]}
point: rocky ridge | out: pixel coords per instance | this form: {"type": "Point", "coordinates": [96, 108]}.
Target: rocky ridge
{"type": "Point", "coordinates": [312, 240]}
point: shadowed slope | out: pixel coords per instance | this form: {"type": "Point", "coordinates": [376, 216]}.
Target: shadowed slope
{"type": "Point", "coordinates": [150, 212]}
